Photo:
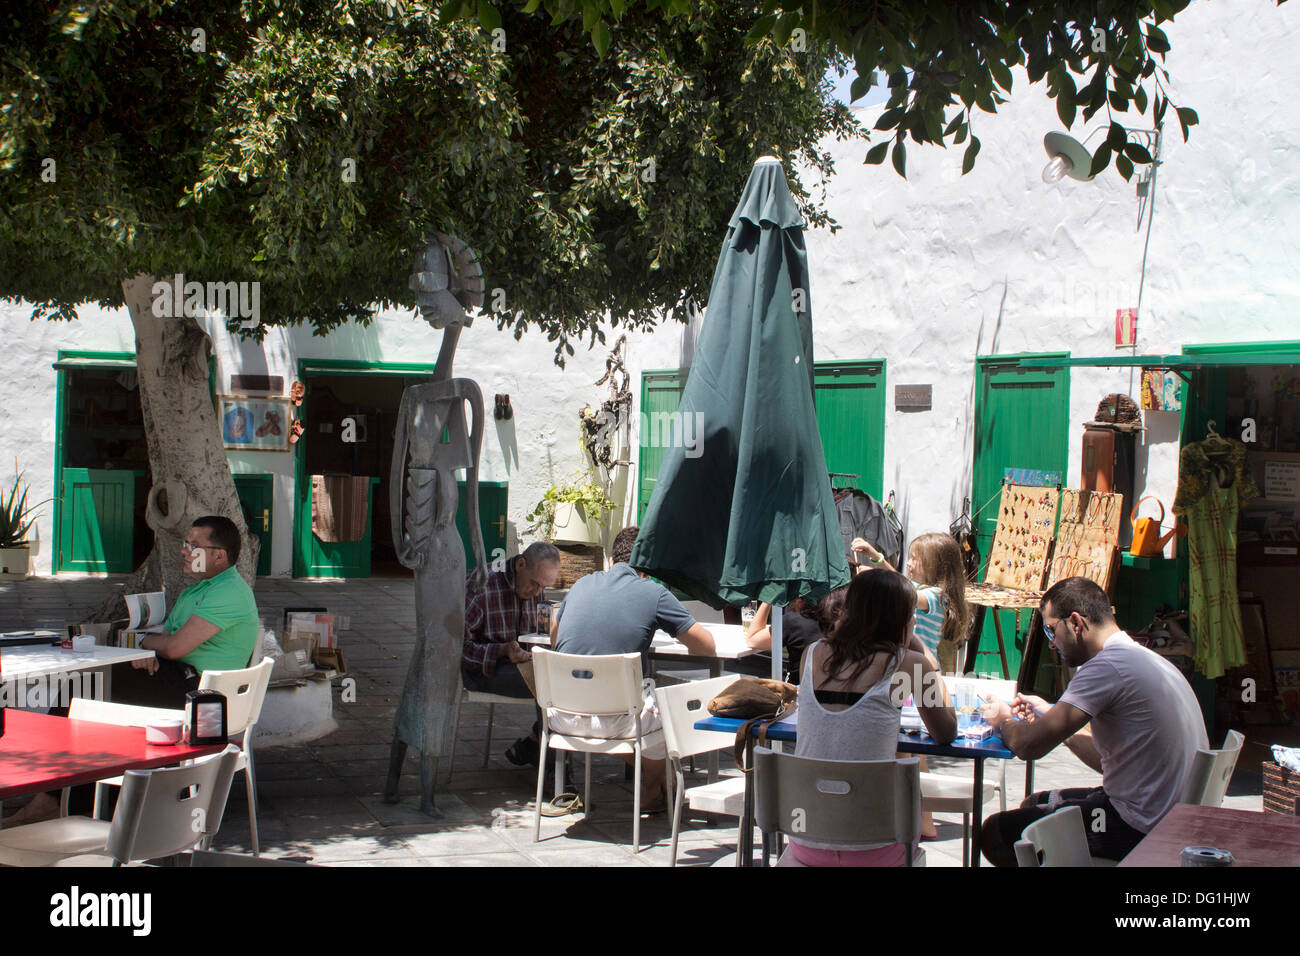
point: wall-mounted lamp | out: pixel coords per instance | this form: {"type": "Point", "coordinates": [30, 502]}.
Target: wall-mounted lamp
{"type": "Point", "coordinates": [1069, 157]}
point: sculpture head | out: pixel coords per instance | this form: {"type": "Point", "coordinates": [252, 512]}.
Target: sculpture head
{"type": "Point", "coordinates": [448, 282]}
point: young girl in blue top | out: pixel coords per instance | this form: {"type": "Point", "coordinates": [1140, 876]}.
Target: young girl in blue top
{"type": "Point", "coordinates": [934, 565]}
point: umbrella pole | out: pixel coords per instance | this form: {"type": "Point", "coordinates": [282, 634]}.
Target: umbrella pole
{"type": "Point", "coordinates": [776, 625]}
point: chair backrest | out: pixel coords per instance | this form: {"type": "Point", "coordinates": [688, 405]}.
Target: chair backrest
{"type": "Point", "coordinates": [1056, 840]}
{"type": "Point", "coordinates": [838, 801]}
{"type": "Point", "coordinates": [163, 812]}
{"type": "Point", "coordinates": [245, 689]}
{"type": "Point", "coordinates": [681, 705]}
{"type": "Point", "coordinates": [124, 715]}
{"type": "Point", "coordinates": [1207, 780]}
{"type": "Point", "coordinates": [598, 684]}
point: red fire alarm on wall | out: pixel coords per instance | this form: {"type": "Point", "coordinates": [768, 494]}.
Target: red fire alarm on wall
{"type": "Point", "coordinates": [1126, 328]}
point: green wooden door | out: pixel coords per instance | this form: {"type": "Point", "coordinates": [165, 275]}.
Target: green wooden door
{"type": "Point", "coordinates": [332, 559]}
{"type": "Point", "coordinates": [661, 393]}
{"type": "Point", "coordinates": [493, 499]}
{"type": "Point", "coordinates": [851, 420]}
{"type": "Point", "coordinates": [1021, 421]}
{"type": "Point", "coordinates": [255, 498]}
{"type": "Point", "coordinates": [96, 520]}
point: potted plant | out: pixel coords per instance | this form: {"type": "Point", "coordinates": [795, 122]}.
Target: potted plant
{"type": "Point", "coordinates": [574, 511]}
{"type": "Point", "coordinates": [16, 519]}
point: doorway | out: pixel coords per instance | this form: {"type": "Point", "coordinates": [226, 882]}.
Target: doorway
{"type": "Point", "coordinates": [101, 473]}
{"type": "Point", "coordinates": [1021, 421]}
{"type": "Point", "coordinates": [350, 418]}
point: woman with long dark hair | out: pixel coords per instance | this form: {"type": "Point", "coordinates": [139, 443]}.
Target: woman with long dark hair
{"type": "Point", "coordinates": [852, 691]}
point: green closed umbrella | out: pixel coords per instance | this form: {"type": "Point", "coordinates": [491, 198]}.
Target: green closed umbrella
{"type": "Point", "coordinates": [742, 509]}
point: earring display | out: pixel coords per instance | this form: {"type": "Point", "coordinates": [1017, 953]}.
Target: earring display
{"type": "Point", "coordinates": [1087, 540]}
{"type": "Point", "coordinates": [1022, 542]}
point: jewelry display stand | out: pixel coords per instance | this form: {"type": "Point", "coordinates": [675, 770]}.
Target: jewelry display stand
{"type": "Point", "coordinates": [1018, 560]}
{"type": "Point", "coordinates": [1087, 541]}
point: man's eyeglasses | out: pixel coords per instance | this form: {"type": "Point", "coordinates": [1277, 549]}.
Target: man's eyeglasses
{"type": "Point", "coordinates": [187, 546]}
{"type": "Point", "coordinates": [1050, 631]}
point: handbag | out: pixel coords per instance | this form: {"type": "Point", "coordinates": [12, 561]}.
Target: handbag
{"type": "Point", "coordinates": [1147, 540]}
{"type": "Point", "coordinates": [760, 703]}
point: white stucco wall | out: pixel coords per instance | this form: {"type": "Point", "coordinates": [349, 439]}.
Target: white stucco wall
{"type": "Point", "coordinates": [926, 273]}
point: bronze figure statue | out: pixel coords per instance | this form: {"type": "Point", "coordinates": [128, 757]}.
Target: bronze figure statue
{"type": "Point", "coordinates": [433, 440]}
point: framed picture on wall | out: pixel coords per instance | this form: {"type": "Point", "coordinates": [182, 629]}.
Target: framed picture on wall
{"type": "Point", "coordinates": [254, 424]}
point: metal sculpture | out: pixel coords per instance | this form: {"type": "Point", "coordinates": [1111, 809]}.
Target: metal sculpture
{"type": "Point", "coordinates": [433, 440]}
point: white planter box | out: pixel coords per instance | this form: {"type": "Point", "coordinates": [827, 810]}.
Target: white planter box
{"type": "Point", "coordinates": [14, 562]}
{"type": "Point", "coordinates": [570, 528]}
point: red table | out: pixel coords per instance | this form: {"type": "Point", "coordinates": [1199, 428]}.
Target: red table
{"type": "Point", "coordinates": [39, 752]}
{"type": "Point", "coordinates": [1255, 839]}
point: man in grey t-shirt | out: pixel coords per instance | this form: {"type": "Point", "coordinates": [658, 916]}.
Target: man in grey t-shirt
{"type": "Point", "coordinates": [1143, 723]}
{"type": "Point", "coordinates": [617, 612]}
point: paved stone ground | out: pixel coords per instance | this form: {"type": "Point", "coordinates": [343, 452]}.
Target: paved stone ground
{"type": "Point", "coordinates": [323, 800]}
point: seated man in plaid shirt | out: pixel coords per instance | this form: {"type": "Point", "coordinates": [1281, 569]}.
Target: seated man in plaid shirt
{"type": "Point", "coordinates": [495, 615]}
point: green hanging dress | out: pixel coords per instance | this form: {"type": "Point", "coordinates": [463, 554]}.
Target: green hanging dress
{"type": "Point", "coordinates": [1214, 484]}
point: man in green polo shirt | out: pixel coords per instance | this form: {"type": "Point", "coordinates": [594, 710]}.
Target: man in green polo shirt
{"type": "Point", "coordinates": [213, 626]}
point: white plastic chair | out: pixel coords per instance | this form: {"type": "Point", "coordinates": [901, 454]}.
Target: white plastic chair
{"type": "Point", "coordinates": [483, 697]}
{"type": "Point", "coordinates": [945, 793]}
{"type": "Point", "coordinates": [1056, 840]}
{"type": "Point", "coordinates": [123, 715]}
{"type": "Point", "coordinates": [1211, 770]}
{"type": "Point", "coordinates": [838, 801]}
{"type": "Point", "coordinates": [160, 813]}
{"type": "Point", "coordinates": [245, 691]}
{"type": "Point", "coordinates": [680, 706]}
{"type": "Point", "coordinates": [604, 685]}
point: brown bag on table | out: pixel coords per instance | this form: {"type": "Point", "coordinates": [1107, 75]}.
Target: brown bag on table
{"type": "Point", "coordinates": [757, 701]}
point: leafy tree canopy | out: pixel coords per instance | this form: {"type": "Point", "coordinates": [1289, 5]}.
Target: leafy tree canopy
{"type": "Point", "coordinates": [312, 146]}
{"type": "Point", "coordinates": [945, 60]}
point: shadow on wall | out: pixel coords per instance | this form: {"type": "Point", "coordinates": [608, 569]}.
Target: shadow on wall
{"type": "Point", "coordinates": [507, 437]}
{"type": "Point", "coordinates": [1161, 428]}
{"type": "Point", "coordinates": [965, 487]}
{"type": "Point", "coordinates": [361, 343]}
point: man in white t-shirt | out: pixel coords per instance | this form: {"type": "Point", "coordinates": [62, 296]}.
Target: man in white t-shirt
{"type": "Point", "coordinates": [1128, 713]}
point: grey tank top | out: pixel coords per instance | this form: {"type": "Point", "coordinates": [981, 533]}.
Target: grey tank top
{"type": "Point", "coordinates": [868, 730]}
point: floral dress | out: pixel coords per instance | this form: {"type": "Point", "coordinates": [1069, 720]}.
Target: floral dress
{"type": "Point", "coordinates": [1214, 484]}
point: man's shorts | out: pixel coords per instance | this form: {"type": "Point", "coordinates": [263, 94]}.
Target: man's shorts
{"type": "Point", "coordinates": [617, 727]}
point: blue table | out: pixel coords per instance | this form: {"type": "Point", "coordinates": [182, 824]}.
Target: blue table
{"type": "Point", "coordinates": [922, 744]}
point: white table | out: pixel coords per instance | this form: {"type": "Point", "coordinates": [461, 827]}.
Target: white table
{"type": "Point", "coordinates": [33, 662]}
{"type": "Point", "coordinates": [729, 642]}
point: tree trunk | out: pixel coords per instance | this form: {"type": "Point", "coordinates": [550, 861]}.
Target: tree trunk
{"type": "Point", "coordinates": [191, 475]}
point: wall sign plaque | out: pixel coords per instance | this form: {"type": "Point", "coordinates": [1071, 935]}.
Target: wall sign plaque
{"type": "Point", "coordinates": [912, 398]}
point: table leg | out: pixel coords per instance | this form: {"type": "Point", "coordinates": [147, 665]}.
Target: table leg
{"type": "Point", "coordinates": [715, 670]}
{"type": "Point", "coordinates": [977, 813]}
{"type": "Point", "coordinates": [745, 838]}
{"type": "Point", "coordinates": [1029, 777]}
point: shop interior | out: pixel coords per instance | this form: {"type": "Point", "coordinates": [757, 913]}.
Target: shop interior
{"type": "Point", "coordinates": [372, 403]}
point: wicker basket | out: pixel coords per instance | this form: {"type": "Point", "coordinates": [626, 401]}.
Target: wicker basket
{"type": "Point", "coordinates": [1281, 789]}
{"type": "Point", "coordinates": [577, 561]}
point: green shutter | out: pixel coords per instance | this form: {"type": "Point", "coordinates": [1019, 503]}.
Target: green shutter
{"type": "Point", "coordinates": [97, 520]}
{"type": "Point", "coordinates": [1021, 421]}
{"type": "Point", "coordinates": [493, 500]}
{"type": "Point", "coordinates": [256, 499]}
{"type": "Point", "coordinates": [851, 420]}
{"type": "Point", "coordinates": [661, 393]}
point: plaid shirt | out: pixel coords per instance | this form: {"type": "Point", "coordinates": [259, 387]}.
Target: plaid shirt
{"type": "Point", "coordinates": [495, 615]}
